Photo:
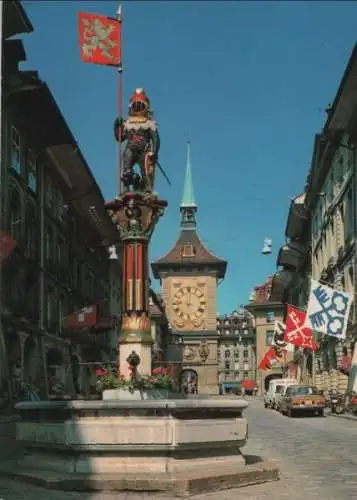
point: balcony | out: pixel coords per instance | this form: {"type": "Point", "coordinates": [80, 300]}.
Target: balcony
{"type": "Point", "coordinates": [297, 217]}
{"type": "Point", "coordinates": [281, 280]}
{"type": "Point", "coordinates": [291, 256]}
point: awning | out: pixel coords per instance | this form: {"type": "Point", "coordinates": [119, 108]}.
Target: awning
{"type": "Point", "coordinates": [231, 385]}
{"type": "Point", "coordinates": [248, 384]}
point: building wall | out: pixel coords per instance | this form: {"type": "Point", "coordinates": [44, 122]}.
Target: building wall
{"type": "Point", "coordinates": [197, 337]}
{"type": "Point", "coordinates": [236, 347]}
{"type": "Point", "coordinates": [59, 263]}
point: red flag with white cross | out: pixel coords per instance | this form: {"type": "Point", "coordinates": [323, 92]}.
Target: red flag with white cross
{"type": "Point", "coordinates": [84, 318]}
{"type": "Point", "coordinates": [297, 331]}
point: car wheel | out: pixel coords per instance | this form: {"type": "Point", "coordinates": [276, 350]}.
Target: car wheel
{"type": "Point", "coordinates": [265, 405]}
{"type": "Point", "coordinates": [321, 413]}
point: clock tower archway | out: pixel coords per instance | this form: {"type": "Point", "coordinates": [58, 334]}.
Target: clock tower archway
{"type": "Point", "coordinates": [189, 275]}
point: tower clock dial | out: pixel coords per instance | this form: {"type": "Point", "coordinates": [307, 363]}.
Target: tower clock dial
{"type": "Point", "coordinates": [189, 305]}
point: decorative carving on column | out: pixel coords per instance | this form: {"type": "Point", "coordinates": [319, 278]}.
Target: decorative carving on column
{"type": "Point", "coordinates": [135, 215]}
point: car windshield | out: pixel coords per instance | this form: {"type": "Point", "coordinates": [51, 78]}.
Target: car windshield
{"type": "Point", "coordinates": [279, 389]}
{"type": "Point", "coordinates": [301, 391]}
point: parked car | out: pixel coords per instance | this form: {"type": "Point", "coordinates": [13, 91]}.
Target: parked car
{"type": "Point", "coordinates": [303, 399]}
{"type": "Point", "coordinates": [276, 387]}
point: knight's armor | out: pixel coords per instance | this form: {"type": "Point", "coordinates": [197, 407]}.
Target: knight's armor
{"type": "Point", "coordinates": [142, 142]}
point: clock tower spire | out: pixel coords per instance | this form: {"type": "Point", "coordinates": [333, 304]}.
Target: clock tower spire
{"type": "Point", "coordinates": [189, 274]}
{"type": "Point", "coordinates": [188, 207]}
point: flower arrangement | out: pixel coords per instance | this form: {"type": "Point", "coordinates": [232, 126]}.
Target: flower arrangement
{"type": "Point", "coordinates": [160, 378]}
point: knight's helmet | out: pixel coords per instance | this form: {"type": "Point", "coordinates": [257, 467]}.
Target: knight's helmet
{"type": "Point", "coordinates": [139, 104]}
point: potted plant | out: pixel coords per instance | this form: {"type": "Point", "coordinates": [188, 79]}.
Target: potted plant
{"type": "Point", "coordinates": [157, 385]}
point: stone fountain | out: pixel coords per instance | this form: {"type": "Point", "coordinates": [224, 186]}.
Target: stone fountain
{"type": "Point", "coordinates": [174, 445]}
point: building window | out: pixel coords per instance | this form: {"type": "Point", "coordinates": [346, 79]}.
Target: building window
{"type": "Point", "coordinates": [49, 192]}
{"type": "Point", "coordinates": [269, 334]}
{"type": "Point", "coordinates": [31, 170]}
{"type": "Point", "coordinates": [61, 209]}
{"type": "Point", "coordinates": [61, 252]}
{"type": "Point", "coordinates": [52, 308]}
{"type": "Point", "coordinates": [245, 375]}
{"type": "Point", "coordinates": [15, 160]}
{"type": "Point", "coordinates": [61, 311]}
{"type": "Point", "coordinates": [226, 365]}
{"type": "Point", "coordinates": [348, 218]}
{"type": "Point", "coordinates": [31, 232]}
{"type": "Point", "coordinates": [236, 354]}
{"type": "Point", "coordinates": [15, 219]}
{"type": "Point", "coordinates": [227, 353]}
{"type": "Point", "coordinates": [245, 354]}
{"type": "Point", "coordinates": [236, 367]}
{"type": "Point", "coordinates": [188, 251]}
{"type": "Point", "coordinates": [49, 244]}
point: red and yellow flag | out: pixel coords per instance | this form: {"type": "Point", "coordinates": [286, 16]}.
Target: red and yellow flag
{"type": "Point", "coordinates": [99, 39]}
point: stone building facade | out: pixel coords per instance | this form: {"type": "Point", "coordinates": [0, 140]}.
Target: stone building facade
{"type": "Point", "coordinates": [189, 275]}
{"type": "Point", "coordinates": [321, 233]}
{"type": "Point", "coordinates": [53, 211]}
{"type": "Point", "coordinates": [266, 310]}
{"type": "Point", "coordinates": [236, 351]}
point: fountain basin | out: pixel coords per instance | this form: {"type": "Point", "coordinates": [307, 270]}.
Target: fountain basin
{"type": "Point", "coordinates": [146, 445]}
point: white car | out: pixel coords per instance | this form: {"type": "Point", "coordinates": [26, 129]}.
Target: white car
{"type": "Point", "coordinates": [275, 390]}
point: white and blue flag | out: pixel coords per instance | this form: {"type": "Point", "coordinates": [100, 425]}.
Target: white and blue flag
{"type": "Point", "coordinates": [328, 310]}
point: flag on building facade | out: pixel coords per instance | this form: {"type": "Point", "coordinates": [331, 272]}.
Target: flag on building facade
{"type": "Point", "coordinates": [328, 310]}
{"type": "Point", "coordinates": [84, 318]}
{"type": "Point", "coordinates": [273, 356]}
{"type": "Point", "coordinates": [99, 39]}
{"type": "Point", "coordinates": [279, 339]}
{"type": "Point", "coordinates": [297, 331]}
{"type": "Point", "coordinates": [7, 245]}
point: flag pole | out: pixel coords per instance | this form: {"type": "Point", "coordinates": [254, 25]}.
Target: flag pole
{"type": "Point", "coordinates": [120, 101]}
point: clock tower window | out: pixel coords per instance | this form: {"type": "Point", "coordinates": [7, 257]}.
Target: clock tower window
{"type": "Point", "coordinates": [188, 251]}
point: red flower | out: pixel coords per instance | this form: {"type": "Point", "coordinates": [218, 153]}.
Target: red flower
{"type": "Point", "coordinates": [160, 371]}
{"type": "Point", "coordinates": [101, 373]}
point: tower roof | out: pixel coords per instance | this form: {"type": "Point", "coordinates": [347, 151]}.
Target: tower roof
{"type": "Point", "coordinates": [189, 251]}
{"type": "Point", "coordinates": [188, 197]}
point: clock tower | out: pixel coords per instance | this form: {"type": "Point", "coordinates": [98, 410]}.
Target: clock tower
{"type": "Point", "coordinates": [189, 274]}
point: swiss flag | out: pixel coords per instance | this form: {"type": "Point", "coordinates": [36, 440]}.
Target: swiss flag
{"type": "Point", "coordinates": [84, 318]}
{"type": "Point", "coordinates": [7, 245]}
{"type": "Point", "coordinates": [297, 331]}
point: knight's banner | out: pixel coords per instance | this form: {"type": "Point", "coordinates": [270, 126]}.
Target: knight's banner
{"type": "Point", "coordinates": [99, 39]}
{"type": "Point", "coordinates": [328, 310]}
{"type": "Point", "coordinates": [297, 332]}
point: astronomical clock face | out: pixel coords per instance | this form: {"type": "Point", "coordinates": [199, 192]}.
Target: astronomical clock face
{"type": "Point", "coordinates": [189, 305]}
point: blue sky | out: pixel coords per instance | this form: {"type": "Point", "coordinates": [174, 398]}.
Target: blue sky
{"type": "Point", "coordinates": [246, 82]}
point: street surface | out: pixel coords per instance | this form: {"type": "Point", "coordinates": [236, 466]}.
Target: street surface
{"type": "Point", "coordinates": [317, 458]}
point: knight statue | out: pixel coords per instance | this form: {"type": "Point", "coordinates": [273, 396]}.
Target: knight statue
{"type": "Point", "coordinates": [142, 147]}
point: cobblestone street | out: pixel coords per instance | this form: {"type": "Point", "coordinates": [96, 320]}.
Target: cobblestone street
{"type": "Point", "coordinates": [316, 457]}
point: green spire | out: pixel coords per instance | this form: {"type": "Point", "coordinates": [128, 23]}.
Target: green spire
{"type": "Point", "coordinates": [188, 197]}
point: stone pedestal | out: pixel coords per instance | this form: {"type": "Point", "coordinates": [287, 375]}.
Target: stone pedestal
{"type": "Point", "coordinates": [177, 446]}
{"type": "Point", "coordinates": [135, 215]}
